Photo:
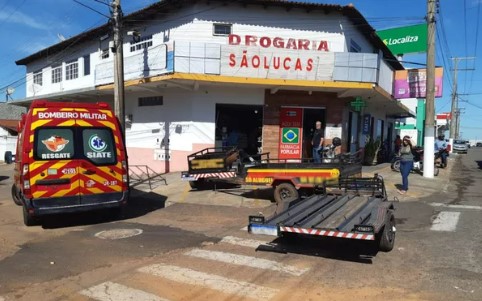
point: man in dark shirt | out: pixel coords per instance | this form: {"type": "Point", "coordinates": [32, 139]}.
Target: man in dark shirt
{"type": "Point", "coordinates": [317, 142]}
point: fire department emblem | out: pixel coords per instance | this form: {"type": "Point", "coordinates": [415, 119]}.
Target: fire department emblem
{"type": "Point", "coordinates": [55, 143]}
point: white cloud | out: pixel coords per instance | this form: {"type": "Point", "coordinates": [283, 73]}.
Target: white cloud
{"type": "Point", "coordinates": [21, 19]}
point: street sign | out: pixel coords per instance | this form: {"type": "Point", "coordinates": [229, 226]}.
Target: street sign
{"type": "Point", "coordinates": [408, 39]}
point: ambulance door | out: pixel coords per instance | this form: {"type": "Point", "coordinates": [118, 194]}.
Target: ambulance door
{"type": "Point", "coordinates": [54, 171]}
{"type": "Point", "coordinates": [100, 169]}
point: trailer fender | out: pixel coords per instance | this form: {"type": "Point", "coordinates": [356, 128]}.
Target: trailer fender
{"type": "Point", "coordinates": [383, 211]}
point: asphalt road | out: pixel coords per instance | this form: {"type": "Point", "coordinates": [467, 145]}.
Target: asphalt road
{"type": "Point", "coordinates": [201, 252]}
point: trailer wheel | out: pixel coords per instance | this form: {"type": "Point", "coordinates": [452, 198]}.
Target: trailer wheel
{"type": "Point", "coordinates": [29, 220]}
{"type": "Point", "coordinates": [284, 192]}
{"type": "Point", "coordinates": [386, 238]}
{"type": "Point", "coordinates": [200, 184]}
{"type": "Point", "coordinates": [15, 197]}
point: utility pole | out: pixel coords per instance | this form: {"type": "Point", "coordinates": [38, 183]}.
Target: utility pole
{"type": "Point", "coordinates": [455, 112]}
{"type": "Point", "coordinates": [429, 139]}
{"type": "Point", "coordinates": [119, 101]}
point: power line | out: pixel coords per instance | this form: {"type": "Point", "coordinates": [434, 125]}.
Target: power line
{"type": "Point", "coordinates": [92, 9]}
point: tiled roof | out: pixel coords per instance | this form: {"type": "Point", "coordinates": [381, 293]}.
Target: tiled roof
{"type": "Point", "coordinates": [166, 6]}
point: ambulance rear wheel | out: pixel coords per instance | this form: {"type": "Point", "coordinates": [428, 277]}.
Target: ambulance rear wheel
{"type": "Point", "coordinates": [285, 192]}
{"type": "Point", "coordinates": [28, 219]}
{"type": "Point", "coordinates": [15, 197]}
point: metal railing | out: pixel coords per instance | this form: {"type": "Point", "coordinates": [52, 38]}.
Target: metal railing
{"type": "Point", "coordinates": [140, 174]}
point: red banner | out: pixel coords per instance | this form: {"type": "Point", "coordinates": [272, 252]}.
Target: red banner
{"type": "Point", "coordinates": [291, 133]}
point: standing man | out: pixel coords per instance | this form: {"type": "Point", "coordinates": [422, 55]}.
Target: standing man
{"type": "Point", "coordinates": [317, 142]}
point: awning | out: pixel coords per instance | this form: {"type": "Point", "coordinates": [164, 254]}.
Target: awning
{"type": "Point", "coordinates": [8, 124]}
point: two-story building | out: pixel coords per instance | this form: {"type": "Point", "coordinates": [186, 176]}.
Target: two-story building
{"type": "Point", "coordinates": [253, 73]}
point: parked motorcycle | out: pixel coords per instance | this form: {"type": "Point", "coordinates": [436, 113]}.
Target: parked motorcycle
{"type": "Point", "coordinates": [328, 153]}
{"type": "Point", "coordinates": [438, 158]}
{"type": "Point", "coordinates": [417, 163]}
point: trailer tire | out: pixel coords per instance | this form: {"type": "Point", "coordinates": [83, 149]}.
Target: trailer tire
{"type": "Point", "coordinates": [15, 196]}
{"type": "Point", "coordinates": [386, 238]}
{"type": "Point", "coordinates": [200, 184]}
{"type": "Point", "coordinates": [285, 192]}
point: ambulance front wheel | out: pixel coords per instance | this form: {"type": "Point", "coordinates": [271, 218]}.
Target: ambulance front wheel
{"type": "Point", "coordinates": [8, 157]}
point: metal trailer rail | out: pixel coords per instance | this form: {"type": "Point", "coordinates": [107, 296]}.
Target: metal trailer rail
{"type": "Point", "coordinates": [353, 208]}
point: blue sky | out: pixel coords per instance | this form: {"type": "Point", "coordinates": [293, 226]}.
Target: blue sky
{"type": "Point", "coordinates": [28, 26]}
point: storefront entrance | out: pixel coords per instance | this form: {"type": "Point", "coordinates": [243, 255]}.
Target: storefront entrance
{"type": "Point", "coordinates": [310, 117]}
{"type": "Point", "coordinates": [239, 125]}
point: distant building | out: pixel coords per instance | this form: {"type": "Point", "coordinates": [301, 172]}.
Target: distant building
{"type": "Point", "coordinates": [254, 73]}
{"type": "Point", "coordinates": [9, 118]}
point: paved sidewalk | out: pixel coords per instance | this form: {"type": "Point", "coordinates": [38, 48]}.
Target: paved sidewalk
{"type": "Point", "coordinates": [177, 191]}
{"type": "Point", "coordinates": [419, 186]}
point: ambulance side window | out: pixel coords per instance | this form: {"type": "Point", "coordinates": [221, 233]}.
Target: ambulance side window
{"type": "Point", "coordinates": [54, 144]}
{"type": "Point", "coordinates": [99, 146]}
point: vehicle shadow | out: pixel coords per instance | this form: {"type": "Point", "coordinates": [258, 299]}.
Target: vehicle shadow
{"type": "Point", "coordinates": [330, 248]}
{"type": "Point", "coordinates": [140, 203]}
{"type": "Point", "coordinates": [479, 163]}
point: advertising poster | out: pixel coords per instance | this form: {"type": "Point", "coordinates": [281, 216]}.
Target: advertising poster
{"type": "Point", "coordinates": [412, 83]}
{"type": "Point", "coordinates": [291, 133]}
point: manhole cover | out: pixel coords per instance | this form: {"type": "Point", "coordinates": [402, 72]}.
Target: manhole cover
{"type": "Point", "coordinates": [118, 233]}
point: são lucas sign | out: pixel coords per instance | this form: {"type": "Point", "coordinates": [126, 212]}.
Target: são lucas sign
{"type": "Point", "coordinates": [409, 39]}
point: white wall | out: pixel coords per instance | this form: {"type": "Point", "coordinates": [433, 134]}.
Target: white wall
{"type": "Point", "coordinates": [412, 104]}
{"type": "Point", "coordinates": [7, 143]}
{"type": "Point", "coordinates": [193, 111]}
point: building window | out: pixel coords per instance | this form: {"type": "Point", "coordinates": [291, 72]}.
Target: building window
{"type": "Point", "coordinates": [104, 53]}
{"type": "Point", "coordinates": [37, 78]}
{"type": "Point", "coordinates": [56, 74]}
{"type": "Point", "coordinates": [142, 43]}
{"type": "Point", "coordinates": [86, 64]}
{"type": "Point", "coordinates": [222, 29]}
{"type": "Point", "coordinates": [71, 70]}
{"type": "Point", "coordinates": [354, 47]}
{"type": "Point", "coordinates": [151, 101]}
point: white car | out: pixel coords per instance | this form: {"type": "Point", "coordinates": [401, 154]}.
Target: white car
{"type": "Point", "coordinates": [460, 146]}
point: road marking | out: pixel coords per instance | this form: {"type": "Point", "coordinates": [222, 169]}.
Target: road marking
{"type": "Point", "coordinates": [469, 207]}
{"type": "Point", "coordinates": [109, 291]}
{"type": "Point", "coordinates": [245, 228]}
{"type": "Point", "coordinates": [250, 243]}
{"type": "Point", "coordinates": [242, 260]}
{"type": "Point", "coordinates": [446, 221]}
{"type": "Point", "coordinates": [219, 283]}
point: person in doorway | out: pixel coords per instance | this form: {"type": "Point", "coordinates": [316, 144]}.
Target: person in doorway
{"type": "Point", "coordinates": [406, 162]}
{"type": "Point", "coordinates": [398, 144]}
{"type": "Point", "coordinates": [317, 142]}
{"type": "Point", "coordinates": [441, 146]}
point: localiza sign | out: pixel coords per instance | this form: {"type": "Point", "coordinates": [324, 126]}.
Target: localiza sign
{"type": "Point", "coordinates": [276, 57]}
{"type": "Point", "coordinates": [409, 39]}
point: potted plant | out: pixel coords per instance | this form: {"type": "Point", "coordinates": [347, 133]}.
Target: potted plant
{"type": "Point", "coordinates": [371, 150]}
